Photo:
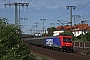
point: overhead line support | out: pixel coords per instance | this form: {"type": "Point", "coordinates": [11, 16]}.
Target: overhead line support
{"type": "Point", "coordinates": [17, 18]}
{"type": "Point", "coordinates": [43, 23]}
{"type": "Point", "coordinates": [71, 14]}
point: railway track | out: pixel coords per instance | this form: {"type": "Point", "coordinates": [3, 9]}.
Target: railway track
{"type": "Point", "coordinates": [57, 55]}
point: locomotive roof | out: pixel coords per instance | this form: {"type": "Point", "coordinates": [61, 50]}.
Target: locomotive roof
{"type": "Point", "coordinates": [38, 38]}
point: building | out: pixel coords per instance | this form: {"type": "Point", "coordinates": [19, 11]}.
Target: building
{"type": "Point", "coordinates": [76, 29]}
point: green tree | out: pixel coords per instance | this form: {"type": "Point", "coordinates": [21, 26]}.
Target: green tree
{"type": "Point", "coordinates": [87, 36]}
{"type": "Point", "coordinates": [50, 31]}
{"type": "Point", "coordinates": [66, 33]}
{"type": "Point", "coordinates": [11, 47]}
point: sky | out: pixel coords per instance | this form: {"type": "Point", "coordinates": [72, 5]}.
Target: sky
{"type": "Point", "coordinates": [51, 10]}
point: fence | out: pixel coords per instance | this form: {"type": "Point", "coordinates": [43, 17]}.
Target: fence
{"type": "Point", "coordinates": [80, 44]}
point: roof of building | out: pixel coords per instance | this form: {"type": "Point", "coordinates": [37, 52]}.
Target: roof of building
{"type": "Point", "coordinates": [75, 27]}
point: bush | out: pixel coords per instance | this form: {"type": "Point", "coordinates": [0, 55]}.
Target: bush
{"type": "Point", "coordinates": [11, 47]}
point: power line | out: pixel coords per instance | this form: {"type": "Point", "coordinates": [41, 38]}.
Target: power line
{"type": "Point", "coordinates": [61, 14]}
{"type": "Point", "coordinates": [16, 10]}
{"type": "Point", "coordinates": [82, 6]}
{"type": "Point", "coordinates": [75, 18]}
{"type": "Point", "coordinates": [11, 12]}
{"type": "Point", "coordinates": [86, 16]}
{"type": "Point", "coordinates": [33, 2]}
{"type": "Point", "coordinates": [20, 0]}
{"type": "Point", "coordinates": [29, 1]}
{"type": "Point", "coordinates": [8, 13]}
{"type": "Point", "coordinates": [72, 10]}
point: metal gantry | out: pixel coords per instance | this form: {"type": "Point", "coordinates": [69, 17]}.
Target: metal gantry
{"type": "Point", "coordinates": [62, 25]}
{"type": "Point", "coordinates": [52, 28]}
{"type": "Point", "coordinates": [17, 18]}
{"type": "Point", "coordinates": [82, 34]}
{"type": "Point", "coordinates": [36, 23]}
{"type": "Point", "coordinates": [71, 14]}
{"type": "Point", "coordinates": [33, 27]}
{"type": "Point", "coordinates": [30, 31]}
{"type": "Point", "coordinates": [43, 23]}
{"type": "Point", "coordinates": [75, 18]}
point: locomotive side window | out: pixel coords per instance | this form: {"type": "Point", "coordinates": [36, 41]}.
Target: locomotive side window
{"type": "Point", "coordinates": [67, 39]}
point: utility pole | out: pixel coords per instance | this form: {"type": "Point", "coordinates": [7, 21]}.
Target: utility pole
{"type": "Point", "coordinates": [43, 23]}
{"type": "Point", "coordinates": [52, 28]}
{"type": "Point", "coordinates": [71, 14]}
{"type": "Point", "coordinates": [17, 18]}
{"type": "Point", "coordinates": [31, 31]}
{"type": "Point", "coordinates": [82, 35]}
{"type": "Point", "coordinates": [36, 25]}
{"type": "Point", "coordinates": [75, 17]}
{"type": "Point", "coordinates": [52, 24]}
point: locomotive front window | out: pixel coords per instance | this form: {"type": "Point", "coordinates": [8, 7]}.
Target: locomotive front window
{"type": "Point", "coordinates": [67, 39]}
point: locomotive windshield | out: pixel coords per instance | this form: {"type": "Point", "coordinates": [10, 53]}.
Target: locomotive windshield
{"type": "Point", "coordinates": [67, 39]}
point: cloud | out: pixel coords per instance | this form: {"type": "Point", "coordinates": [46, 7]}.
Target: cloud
{"type": "Point", "coordinates": [48, 4]}
{"type": "Point", "coordinates": [55, 4]}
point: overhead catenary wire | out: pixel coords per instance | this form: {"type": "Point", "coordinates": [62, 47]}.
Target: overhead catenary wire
{"type": "Point", "coordinates": [63, 14]}
{"type": "Point", "coordinates": [9, 13]}
{"type": "Point", "coordinates": [20, 0]}
{"type": "Point", "coordinates": [82, 6]}
{"type": "Point", "coordinates": [59, 15]}
{"type": "Point", "coordinates": [37, 0]}
{"type": "Point", "coordinates": [77, 8]}
{"type": "Point", "coordinates": [29, 1]}
{"type": "Point", "coordinates": [33, 2]}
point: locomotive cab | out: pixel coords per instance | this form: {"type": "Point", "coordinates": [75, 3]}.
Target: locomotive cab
{"type": "Point", "coordinates": [66, 43]}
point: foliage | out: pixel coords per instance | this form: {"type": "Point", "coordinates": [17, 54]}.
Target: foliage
{"type": "Point", "coordinates": [43, 58]}
{"type": "Point", "coordinates": [66, 34]}
{"type": "Point", "coordinates": [50, 31]}
{"type": "Point", "coordinates": [79, 37]}
{"type": "Point", "coordinates": [85, 37]}
{"type": "Point", "coordinates": [11, 47]}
